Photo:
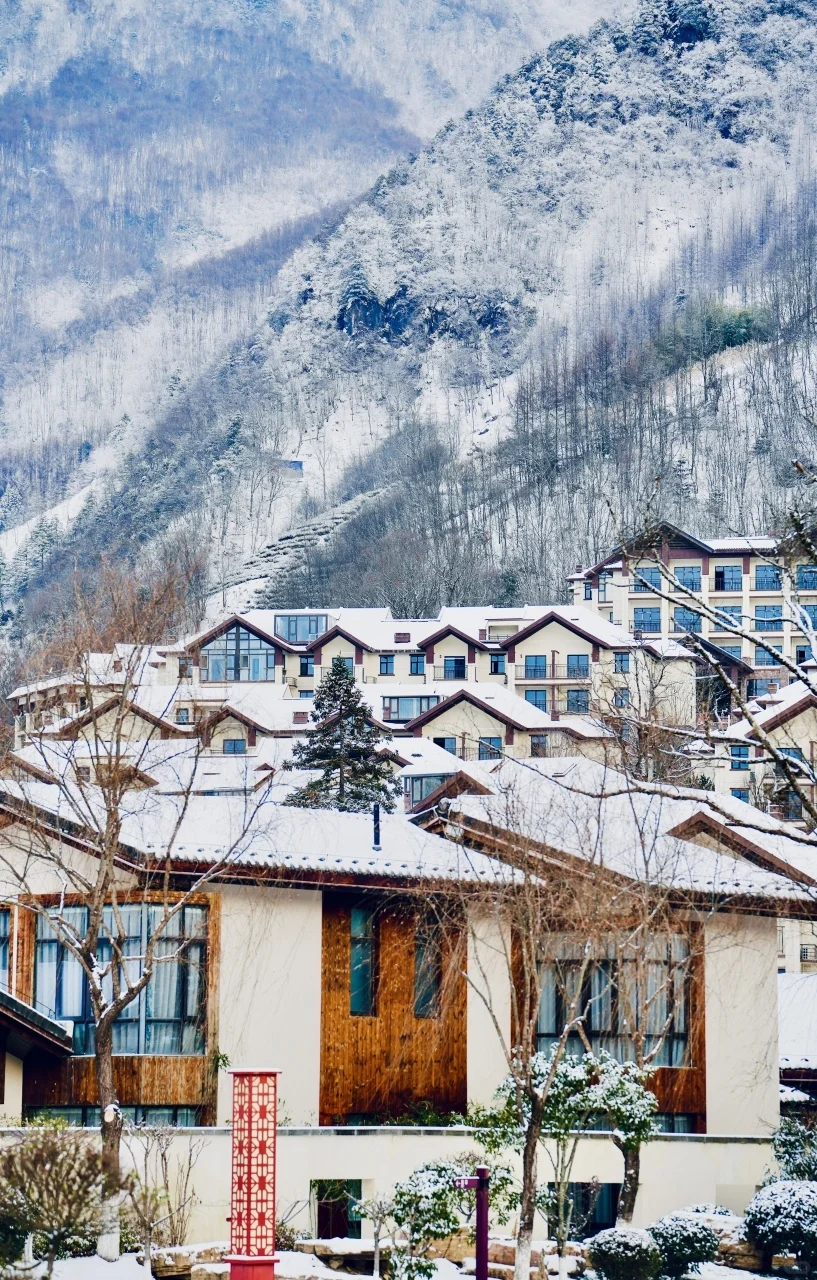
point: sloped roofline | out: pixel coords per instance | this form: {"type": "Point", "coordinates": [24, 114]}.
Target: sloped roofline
{"type": "Point", "coordinates": [465, 695]}
{"type": "Point", "coordinates": [88, 716]}
{"type": "Point", "coordinates": [450, 630]}
{"type": "Point", "coordinates": [553, 616]}
{"type": "Point", "coordinates": [328, 636]}
{"type": "Point", "coordinates": [632, 544]}
{"type": "Point", "coordinates": [237, 619]}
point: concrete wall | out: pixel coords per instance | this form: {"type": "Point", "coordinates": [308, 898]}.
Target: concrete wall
{"type": "Point", "coordinates": [12, 1105]}
{"type": "Point", "coordinates": [677, 1170]}
{"type": "Point", "coordinates": [489, 998]}
{"type": "Point", "coordinates": [740, 976]}
{"type": "Point", "coordinates": [270, 992]}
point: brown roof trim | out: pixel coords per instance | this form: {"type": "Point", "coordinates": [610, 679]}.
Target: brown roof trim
{"type": "Point", "coordinates": [553, 616]}
{"type": "Point", "coordinates": [642, 543]}
{"type": "Point", "coordinates": [229, 712]}
{"type": "Point", "coordinates": [237, 619]}
{"type": "Point", "coordinates": [456, 784]}
{"type": "Point", "coordinates": [26, 1029]}
{"type": "Point", "coordinates": [88, 716]}
{"type": "Point", "coordinates": [735, 840]}
{"type": "Point", "coordinates": [332, 634]}
{"type": "Point", "coordinates": [465, 695]}
{"type": "Point", "coordinates": [449, 630]}
{"type": "Point", "coordinates": [788, 713]}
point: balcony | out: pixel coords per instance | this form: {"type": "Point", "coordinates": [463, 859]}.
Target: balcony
{"type": "Point", "coordinates": [550, 672]}
{"type": "Point", "coordinates": [725, 590]}
{"type": "Point", "coordinates": [451, 673]}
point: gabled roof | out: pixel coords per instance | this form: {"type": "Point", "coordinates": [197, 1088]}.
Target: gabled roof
{"type": "Point", "coordinates": [456, 784]}
{"type": "Point", "coordinates": [228, 712]}
{"type": "Point", "coordinates": [465, 695]}
{"type": "Point", "coordinates": [25, 1029]}
{"type": "Point", "coordinates": [235, 619]}
{"type": "Point", "coordinates": [562, 616]}
{"type": "Point", "coordinates": [332, 634]}
{"type": "Point", "coordinates": [449, 630]}
{"type": "Point", "coordinates": [68, 730]}
{"type": "Point", "coordinates": [718, 653]}
{"type": "Point", "coordinates": [788, 703]}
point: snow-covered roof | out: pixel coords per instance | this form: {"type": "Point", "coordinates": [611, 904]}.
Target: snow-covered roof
{"type": "Point", "coordinates": [643, 831]}
{"type": "Point", "coordinates": [773, 709]}
{"type": "Point", "coordinates": [797, 1020]}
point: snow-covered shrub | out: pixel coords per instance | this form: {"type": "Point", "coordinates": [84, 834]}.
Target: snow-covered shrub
{"type": "Point", "coordinates": [710, 1210]}
{"type": "Point", "coordinates": [623, 1253]}
{"type": "Point", "coordinates": [795, 1148]}
{"type": "Point", "coordinates": [683, 1243]}
{"type": "Point", "coordinates": [782, 1218]}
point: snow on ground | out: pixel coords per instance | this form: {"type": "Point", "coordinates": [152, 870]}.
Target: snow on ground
{"type": "Point", "coordinates": [127, 1268]}
{"type": "Point", "coordinates": [11, 540]}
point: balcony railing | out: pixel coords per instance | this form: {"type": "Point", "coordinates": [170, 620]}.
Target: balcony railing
{"type": "Point", "coordinates": [447, 673]}
{"type": "Point", "coordinates": [725, 590]}
{"type": "Point", "coordinates": [558, 671]}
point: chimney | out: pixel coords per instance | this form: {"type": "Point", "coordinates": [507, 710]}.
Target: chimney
{"type": "Point", "coordinates": [300, 717]}
{"type": "Point", "coordinates": [554, 714]}
{"type": "Point", "coordinates": [638, 635]}
{"type": "Point", "coordinates": [402, 637]}
{"type": "Point", "coordinates": [483, 634]}
{"type": "Point", "coordinates": [578, 568]}
{"type": "Point", "coordinates": [376, 846]}
{"type": "Point", "coordinates": [773, 686]}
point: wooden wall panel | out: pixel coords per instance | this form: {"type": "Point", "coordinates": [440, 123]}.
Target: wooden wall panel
{"type": "Point", "coordinates": [152, 1081]}
{"type": "Point", "coordinates": [383, 1064]}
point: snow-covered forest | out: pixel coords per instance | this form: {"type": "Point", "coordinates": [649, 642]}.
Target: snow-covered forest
{"type": "Point", "coordinates": [597, 281]}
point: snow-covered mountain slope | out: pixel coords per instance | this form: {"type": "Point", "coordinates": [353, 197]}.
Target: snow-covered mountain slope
{"type": "Point", "coordinates": [597, 190]}
{"type": "Point", "coordinates": [160, 160]}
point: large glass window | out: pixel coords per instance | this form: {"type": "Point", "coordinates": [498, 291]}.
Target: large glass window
{"type": "Point", "coordinates": [578, 666]}
{"type": "Point", "coordinates": [807, 577]}
{"type": "Point", "coordinates": [417, 664]}
{"type": "Point", "coordinates": [300, 628]}
{"type": "Point", "coordinates": [621, 663]}
{"type": "Point", "coordinates": [685, 619]}
{"type": "Point", "coordinates": [387, 664]}
{"type": "Point", "coordinates": [497, 664]}
{"type": "Point", "coordinates": [810, 610]}
{"type": "Point", "coordinates": [428, 970]}
{"type": "Point", "coordinates": [733, 650]}
{"type": "Point", "coordinates": [622, 991]}
{"type": "Point", "coordinates": [237, 654]}
{"type": "Point", "coordinates": [647, 620]}
{"type": "Point", "coordinates": [447, 744]}
{"type": "Point", "coordinates": [651, 576]}
{"type": "Point", "coordinates": [234, 746]}
{"type": "Point", "coordinates": [362, 963]}
{"type": "Point", "coordinates": [407, 708]}
{"type": "Point", "coordinates": [419, 788]}
{"type": "Point", "coordinates": [689, 576]}
{"type": "Point", "coordinates": [536, 666]}
{"type": "Point", "coordinates": [5, 932]}
{"type": "Point", "coordinates": [739, 757]}
{"type": "Point", "coordinates": [769, 617]}
{"type": "Point", "coordinates": [767, 577]}
{"type": "Point", "coordinates": [538, 697]}
{"type": "Point", "coordinates": [758, 688]}
{"type": "Point", "coordinates": [763, 658]}
{"type": "Point", "coordinates": [731, 614]}
{"type": "Point", "coordinates": [578, 701]}
{"type": "Point", "coordinates": [307, 664]}
{"type": "Point", "coordinates": [490, 748]}
{"type": "Point", "coordinates": [728, 577]}
{"type": "Point", "coordinates": [168, 1016]}
{"type": "Point", "coordinates": [454, 669]}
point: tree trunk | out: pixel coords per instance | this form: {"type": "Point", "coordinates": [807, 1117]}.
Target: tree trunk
{"type": "Point", "coordinates": [632, 1177]}
{"type": "Point", "coordinates": [108, 1243]}
{"type": "Point", "coordinates": [527, 1201]}
{"type": "Point", "coordinates": [376, 1261]}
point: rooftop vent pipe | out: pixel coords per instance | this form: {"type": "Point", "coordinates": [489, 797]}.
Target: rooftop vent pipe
{"type": "Point", "coordinates": [376, 846]}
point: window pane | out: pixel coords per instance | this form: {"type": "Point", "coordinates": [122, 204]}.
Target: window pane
{"type": "Point", "coordinates": [361, 984]}
{"type": "Point", "coordinates": [536, 667]}
{"type": "Point", "coordinates": [427, 972]}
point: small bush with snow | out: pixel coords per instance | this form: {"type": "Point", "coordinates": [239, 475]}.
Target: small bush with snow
{"type": "Point", "coordinates": [782, 1218]}
{"type": "Point", "coordinates": [623, 1253]}
{"type": "Point", "coordinates": [709, 1210]}
{"type": "Point", "coordinates": [684, 1244]}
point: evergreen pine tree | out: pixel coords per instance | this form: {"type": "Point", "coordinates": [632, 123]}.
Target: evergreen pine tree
{"type": "Point", "coordinates": [344, 747]}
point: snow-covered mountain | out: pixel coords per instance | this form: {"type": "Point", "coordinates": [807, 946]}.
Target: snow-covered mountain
{"type": "Point", "coordinates": [618, 183]}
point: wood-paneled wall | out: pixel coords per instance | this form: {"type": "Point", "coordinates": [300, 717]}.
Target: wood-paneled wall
{"type": "Point", "coordinates": [384, 1064]}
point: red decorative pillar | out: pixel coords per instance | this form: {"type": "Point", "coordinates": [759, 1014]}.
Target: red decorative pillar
{"type": "Point", "coordinates": [252, 1198]}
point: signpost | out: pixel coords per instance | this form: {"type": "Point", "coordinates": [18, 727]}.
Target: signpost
{"type": "Point", "coordinates": [479, 1184]}
{"type": "Point", "coordinates": [252, 1197]}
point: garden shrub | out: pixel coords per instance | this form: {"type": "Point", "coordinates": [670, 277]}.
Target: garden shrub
{"type": "Point", "coordinates": [684, 1243]}
{"type": "Point", "coordinates": [782, 1218]}
{"type": "Point", "coordinates": [623, 1253]}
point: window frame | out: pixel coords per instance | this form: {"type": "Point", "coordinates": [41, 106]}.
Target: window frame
{"type": "Point", "coordinates": [363, 966]}
{"type": "Point", "coordinates": [417, 664]}
{"type": "Point", "coordinates": [497, 664]}
{"type": "Point", "coordinates": [648, 628]}
{"type": "Point", "coordinates": [386, 664]}
{"type": "Point", "coordinates": [621, 664]}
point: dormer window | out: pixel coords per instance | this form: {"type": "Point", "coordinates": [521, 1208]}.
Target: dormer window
{"type": "Point", "coordinates": [300, 628]}
{"type": "Point", "coordinates": [182, 715]}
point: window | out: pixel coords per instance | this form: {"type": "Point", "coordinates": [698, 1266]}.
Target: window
{"type": "Point", "coordinates": [622, 990]}
{"type": "Point", "coordinates": [418, 788]}
{"type": "Point", "coordinates": [387, 664]}
{"type": "Point", "coordinates": [362, 963]}
{"type": "Point", "coordinates": [739, 757]}
{"type": "Point", "coordinates": [734, 650]}
{"type": "Point", "coordinates": [417, 664]}
{"type": "Point", "coordinates": [728, 577]}
{"type": "Point", "coordinates": [689, 576]}
{"type": "Point", "coordinates": [731, 614]}
{"type": "Point", "coordinates": [588, 590]}
{"type": "Point", "coordinates": [741, 793]}
{"type": "Point", "coordinates": [792, 807]}
{"type": "Point", "coordinates": [335, 1200]}
{"type": "Point", "coordinates": [621, 698]}
{"type": "Point", "coordinates": [791, 753]}
{"type": "Point", "coordinates": [237, 654]}
{"type": "Point", "coordinates": [490, 748]}
{"type": "Point", "coordinates": [536, 667]}
{"type": "Point", "coordinates": [453, 668]}
{"type": "Point", "coordinates": [539, 745]}
{"type": "Point", "coordinates": [182, 715]}
{"type": "Point", "coordinates": [5, 931]}
{"type": "Point", "coordinates": [300, 628]}
{"type": "Point", "coordinates": [758, 688]}
{"type": "Point", "coordinates": [767, 577]}
{"type": "Point", "coordinates": [604, 583]}
{"type": "Point", "coordinates": [578, 701]}
{"type": "Point", "coordinates": [447, 744]}
{"type": "Point", "coordinates": [185, 668]}
{"type": "Point", "coordinates": [595, 1206]}
{"type": "Point", "coordinates": [651, 576]}
{"type": "Point", "coordinates": [407, 708]}
{"type": "Point", "coordinates": [349, 663]}
{"type": "Point", "coordinates": [234, 746]}
{"type": "Point", "coordinates": [538, 697]}
{"type": "Point", "coordinates": [306, 693]}
{"type": "Point", "coordinates": [83, 772]}
{"type": "Point", "coordinates": [769, 617]}
{"type": "Point", "coordinates": [810, 610]}
{"type": "Point", "coordinates": [807, 577]}
{"type": "Point", "coordinates": [621, 663]}
{"type": "Point", "coordinates": [578, 666]}
{"type": "Point", "coordinates": [497, 664]}
{"type": "Point", "coordinates": [168, 1017]}
{"type": "Point", "coordinates": [428, 970]}
{"type": "Point", "coordinates": [89, 1117]}
{"type": "Point", "coordinates": [307, 664]}
{"type": "Point", "coordinates": [802, 653]}
{"type": "Point", "coordinates": [763, 658]}
{"type": "Point", "coordinates": [648, 620]}
{"type": "Point", "coordinates": [685, 620]}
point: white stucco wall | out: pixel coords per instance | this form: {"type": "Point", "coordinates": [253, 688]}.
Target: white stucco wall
{"type": "Point", "coordinates": [489, 998]}
{"type": "Point", "coordinates": [12, 1108]}
{"type": "Point", "coordinates": [270, 992]}
{"type": "Point", "coordinates": [740, 969]}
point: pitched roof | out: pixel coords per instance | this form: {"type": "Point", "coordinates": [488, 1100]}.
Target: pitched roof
{"type": "Point", "coordinates": [448, 629]}
{"type": "Point", "coordinates": [788, 703]}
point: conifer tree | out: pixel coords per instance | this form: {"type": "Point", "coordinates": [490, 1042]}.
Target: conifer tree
{"type": "Point", "coordinates": [344, 748]}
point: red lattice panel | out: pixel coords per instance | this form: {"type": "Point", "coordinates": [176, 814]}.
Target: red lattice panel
{"type": "Point", "coordinates": [252, 1221]}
